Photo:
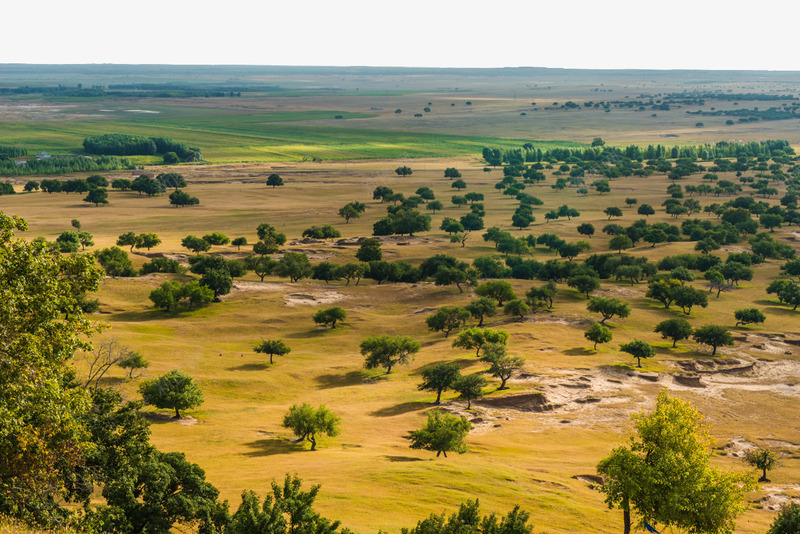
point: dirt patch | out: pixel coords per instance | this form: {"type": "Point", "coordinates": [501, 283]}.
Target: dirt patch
{"type": "Point", "coordinates": [592, 480]}
{"type": "Point", "coordinates": [692, 381]}
{"type": "Point", "coordinates": [531, 402]}
{"type": "Point", "coordinates": [621, 292]}
{"type": "Point", "coordinates": [565, 320]}
{"type": "Point", "coordinates": [312, 299]}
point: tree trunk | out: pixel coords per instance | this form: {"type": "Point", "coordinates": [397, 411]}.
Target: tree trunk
{"type": "Point", "coordinates": [638, 362]}
{"type": "Point", "coordinates": [270, 359]}
{"type": "Point", "coordinates": [626, 517]}
{"type": "Point", "coordinates": [313, 442]}
{"type": "Point", "coordinates": [177, 414]}
{"type": "Point", "coordinates": [438, 396]}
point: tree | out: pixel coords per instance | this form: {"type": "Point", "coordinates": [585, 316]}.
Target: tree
{"type": "Point", "coordinates": [274, 180]}
{"type": "Point", "coordinates": [369, 250]}
{"type": "Point", "coordinates": [638, 349]}
{"type": "Point", "coordinates": [470, 387]}
{"type": "Point", "coordinates": [115, 261]}
{"type": "Point", "coordinates": [148, 240]}
{"type": "Point", "coordinates": [349, 211]}
{"type": "Point", "coordinates": [620, 242]}
{"type": "Point", "coordinates": [598, 333]}
{"type": "Point", "coordinates": [654, 236]}
{"type": "Point", "coordinates": [686, 297]}
{"type": "Point", "coordinates": [439, 377]}
{"type": "Point", "coordinates": [749, 316]}
{"type": "Point", "coordinates": [459, 184]}
{"type": "Point", "coordinates": [451, 173]}
{"type": "Point", "coordinates": [195, 244]}
{"type": "Point", "coordinates": [442, 433]}
{"type": "Point", "coordinates": [447, 318]}
{"type": "Point", "coordinates": [477, 338]}
{"type": "Point", "coordinates": [763, 459]}
{"type": "Point", "coordinates": [664, 474]}
{"type": "Point", "coordinates": [171, 179]}
{"type": "Point", "coordinates": [97, 196]}
{"type": "Point", "coordinates": [435, 206]}
{"type": "Point", "coordinates": [645, 209]}
{"type": "Point", "coordinates": [239, 242]}
{"type": "Point", "coordinates": [675, 329]}
{"type": "Point", "coordinates": [446, 276]}
{"type": "Point", "coordinates": [613, 212]}
{"type": "Point", "coordinates": [273, 347]}
{"type": "Point", "coordinates": [545, 294]}
{"type": "Point", "coordinates": [517, 307]}
{"type": "Point", "coordinates": [598, 141]}
{"type": "Point", "coordinates": [388, 351]}
{"type": "Point", "coordinates": [31, 185]}
{"type": "Point", "coordinates": [216, 239]}
{"type": "Point", "coordinates": [787, 521]}
{"type": "Point", "coordinates": [503, 366]}
{"type": "Point", "coordinates": [481, 308]}
{"type": "Point", "coordinates": [180, 199]}
{"type": "Point", "coordinates": [586, 229]}
{"type": "Point", "coordinates": [43, 325]}
{"type": "Point", "coordinates": [713, 335]}
{"type": "Point", "coordinates": [608, 307]}
{"type": "Point", "coordinates": [295, 265]}
{"type": "Point", "coordinates": [584, 283]}
{"type": "Point", "coordinates": [166, 296]}
{"type": "Point", "coordinates": [174, 390]}
{"type": "Point", "coordinates": [306, 423]}
{"type": "Point", "coordinates": [403, 171]}
{"type": "Point", "coordinates": [330, 316]}
{"type": "Point", "coordinates": [133, 361]}
{"type": "Point", "coordinates": [499, 290]}
{"type": "Point", "coordinates": [219, 280]}
{"type": "Point", "coordinates": [128, 238]}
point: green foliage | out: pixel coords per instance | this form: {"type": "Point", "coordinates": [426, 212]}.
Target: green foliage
{"type": "Point", "coordinates": [447, 318]}
{"type": "Point", "coordinates": [713, 335]}
{"type": "Point", "coordinates": [115, 261]}
{"type": "Point", "coordinates": [174, 390]}
{"type": "Point", "coordinates": [97, 196]}
{"type": "Point", "coordinates": [273, 347]}
{"type": "Point", "coordinates": [403, 171]}
{"type": "Point", "coordinates": [439, 378]}
{"type": "Point", "coordinates": [517, 307]}
{"type": "Point", "coordinates": [499, 290]}
{"type": "Point", "coordinates": [294, 265]}
{"type": "Point", "coordinates": [482, 308]}
{"type": "Point", "coordinates": [638, 349]}
{"type": "Point", "coordinates": [584, 283]}
{"type": "Point", "coordinates": [369, 250]}
{"type": "Point", "coordinates": [441, 433]}
{"type": "Point", "coordinates": [470, 387]}
{"type": "Point", "coordinates": [330, 316]}
{"type": "Point", "coordinates": [477, 337]}
{"type": "Point", "coordinates": [388, 351]}
{"type": "Point", "coordinates": [180, 199]}
{"type": "Point", "coordinates": [274, 180]}
{"type": "Point", "coordinates": [665, 477]}
{"type": "Point", "coordinates": [194, 243]}
{"type": "Point", "coordinates": [608, 307]}
{"type": "Point", "coordinates": [749, 316]}
{"type": "Point", "coordinates": [216, 239]}
{"type": "Point", "coordinates": [675, 329]}
{"type": "Point", "coordinates": [468, 520]}
{"type": "Point", "coordinates": [42, 325]}
{"type": "Point", "coordinates": [502, 365]}
{"type": "Point", "coordinates": [763, 459]}
{"type": "Point", "coordinates": [787, 521]}
{"type": "Point", "coordinates": [306, 422]}
{"type": "Point", "coordinates": [598, 333]}
{"type": "Point", "coordinates": [133, 361]}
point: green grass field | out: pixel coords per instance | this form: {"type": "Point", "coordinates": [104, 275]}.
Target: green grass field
{"type": "Point", "coordinates": [368, 472]}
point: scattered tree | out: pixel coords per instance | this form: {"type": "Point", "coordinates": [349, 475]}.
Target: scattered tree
{"type": "Point", "coordinates": [749, 316]}
{"type": "Point", "coordinates": [306, 423]}
{"type": "Point", "coordinates": [442, 433]}
{"type": "Point", "coordinates": [273, 347]}
{"type": "Point", "coordinates": [174, 390]}
{"type": "Point", "coordinates": [608, 307]}
{"type": "Point", "coordinates": [439, 377]}
{"type": "Point", "coordinates": [274, 180]}
{"type": "Point", "coordinates": [330, 316]}
{"type": "Point", "coordinates": [638, 349]}
{"type": "Point", "coordinates": [675, 329]}
{"type": "Point", "coordinates": [763, 459]}
{"type": "Point", "coordinates": [713, 335]}
{"type": "Point", "coordinates": [388, 351]}
{"type": "Point", "coordinates": [447, 318]}
{"type": "Point", "coordinates": [470, 387]}
{"type": "Point", "coordinates": [598, 333]}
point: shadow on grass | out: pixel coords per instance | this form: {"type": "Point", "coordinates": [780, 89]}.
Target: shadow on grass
{"type": "Point", "coordinates": [250, 367]}
{"type": "Point", "coordinates": [399, 409]}
{"type": "Point", "coordinates": [308, 334]}
{"type": "Point", "coordinates": [273, 446]}
{"type": "Point", "coordinates": [351, 378]}
{"type": "Point", "coordinates": [403, 459]}
{"type": "Point", "coordinates": [579, 351]}
{"type": "Point", "coordinates": [142, 316]}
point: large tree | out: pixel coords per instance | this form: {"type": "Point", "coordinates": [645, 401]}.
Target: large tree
{"type": "Point", "coordinates": [499, 290]}
{"type": "Point", "coordinates": [598, 333]}
{"type": "Point", "coordinates": [608, 307]}
{"type": "Point", "coordinates": [294, 265]}
{"type": "Point", "coordinates": [439, 378]}
{"type": "Point", "coordinates": [470, 387]}
{"type": "Point", "coordinates": [638, 349]}
{"type": "Point", "coordinates": [307, 423]}
{"type": "Point", "coordinates": [477, 337]}
{"type": "Point", "coordinates": [713, 335]}
{"type": "Point", "coordinates": [388, 351]}
{"type": "Point", "coordinates": [675, 329]}
{"type": "Point", "coordinates": [442, 433]}
{"type": "Point", "coordinates": [447, 318]}
{"type": "Point", "coordinates": [664, 474]}
{"type": "Point", "coordinates": [174, 390]}
{"type": "Point", "coordinates": [273, 347]}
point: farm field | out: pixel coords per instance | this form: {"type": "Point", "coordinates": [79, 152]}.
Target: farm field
{"type": "Point", "coordinates": [521, 450]}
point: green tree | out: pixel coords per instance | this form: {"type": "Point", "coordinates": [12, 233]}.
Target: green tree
{"type": "Point", "coordinates": [369, 250]}
{"type": "Point", "coordinates": [638, 349]}
{"type": "Point", "coordinates": [598, 333]}
{"type": "Point", "coordinates": [307, 423]}
{"type": "Point", "coordinates": [459, 184]}
{"type": "Point", "coordinates": [330, 316]}
{"type": "Point", "coordinates": [167, 295]}
{"type": "Point", "coordinates": [439, 377]}
{"type": "Point", "coordinates": [274, 180]}
{"type": "Point", "coordinates": [349, 211]}
{"type": "Point", "coordinates": [477, 337]}
{"type": "Point", "coordinates": [147, 240]}
{"type": "Point", "coordinates": [482, 308]}
{"type": "Point", "coordinates": [470, 387]}
{"type": "Point", "coordinates": [586, 229]}
{"type": "Point", "coordinates": [128, 238]}
{"type": "Point", "coordinates": [447, 318]}
{"type": "Point", "coordinates": [749, 316]}
{"type": "Point", "coordinates": [608, 307]}
{"type": "Point", "coordinates": [42, 325]}
{"type": "Point", "coordinates": [403, 171]}
{"type": "Point", "coordinates": [115, 261]}
{"type": "Point", "coordinates": [239, 242]}
{"type": "Point", "coordinates": [713, 335]}
{"type": "Point", "coordinates": [97, 196]}
{"type": "Point", "coordinates": [180, 199]}
{"type": "Point", "coordinates": [133, 361]}
{"type": "Point", "coordinates": [435, 206]}
{"type": "Point", "coordinates": [584, 283]}
{"type": "Point", "coordinates": [446, 276]}
{"type": "Point", "coordinates": [451, 173]}
{"type": "Point", "coordinates": [442, 433]}
{"type": "Point", "coordinates": [620, 242]}
{"type": "Point", "coordinates": [502, 365]}
{"type": "Point", "coordinates": [686, 297]}
{"type": "Point", "coordinates": [787, 521]}
{"type": "Point", "coordinates": [763, 459]}
{"type": "Point", "coordinates": [195, 244]}
{"type": "Point", "coordinates": [294, 265]}
{"type": "Point", "coordinates": [174, 390]}
{"type": "Point", "coordinates": [665, 477]}
{"type": "Point", "coordinates": [388, 351]}
{"type": "Point", "coordinates": [613, 212]}
{"type": "Point", "coordinates": [675, 329]}
{"type": "Point", "coordinates": [500, 290]}
{"type": "Point", "coordinates": [273, 347]}
{"type": "Point", "coordinates": [517, 307]}
{"type": "Point", "coordinates": [216, 239]}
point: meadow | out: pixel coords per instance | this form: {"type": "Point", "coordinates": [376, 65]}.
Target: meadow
{"type": "Point", "coordinates": [516, 455]}
{"type": "Point", "coordinates": [520, 452]}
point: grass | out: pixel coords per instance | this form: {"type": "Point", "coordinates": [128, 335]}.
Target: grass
{"type": "Point", "coordinates": [368, 472]}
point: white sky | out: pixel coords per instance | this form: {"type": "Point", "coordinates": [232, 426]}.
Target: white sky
{"type": "Point", "coordinates": [689, 34]}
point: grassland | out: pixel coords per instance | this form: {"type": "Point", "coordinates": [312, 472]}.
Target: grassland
{"type": "Point", "coordinates": [368, 473]}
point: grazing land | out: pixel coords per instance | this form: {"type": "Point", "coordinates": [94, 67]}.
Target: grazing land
{"type": "Point", "coordinates": [536, 443]}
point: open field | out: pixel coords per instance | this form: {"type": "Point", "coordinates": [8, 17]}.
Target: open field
{"type": "Point", "coordinates": [520, 452]}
